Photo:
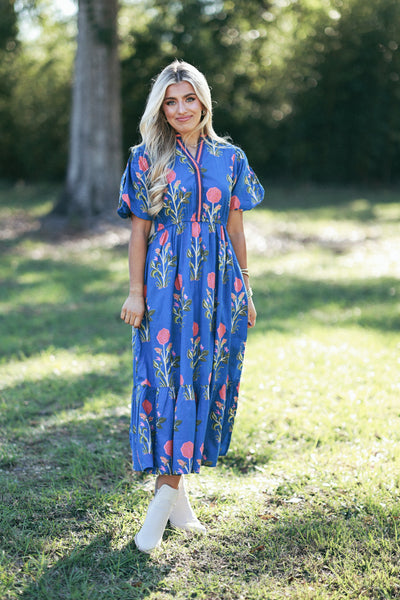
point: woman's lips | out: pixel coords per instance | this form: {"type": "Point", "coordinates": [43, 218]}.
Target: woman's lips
{"type": "Point", "coordinates": [183, 119]}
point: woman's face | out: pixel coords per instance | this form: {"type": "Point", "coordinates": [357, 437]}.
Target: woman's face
{"type": "Point", "coordinates": [182, 108]}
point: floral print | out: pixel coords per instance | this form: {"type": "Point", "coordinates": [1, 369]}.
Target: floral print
{"type": "Point", "coordinates": [188, 353]}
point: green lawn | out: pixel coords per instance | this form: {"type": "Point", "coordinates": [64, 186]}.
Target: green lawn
{"type": "Point", "coordinates": [306, 503]}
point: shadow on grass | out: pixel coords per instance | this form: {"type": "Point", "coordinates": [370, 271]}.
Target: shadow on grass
{"type": "Point", "coordinates": [241, 462]}
{"type": "Point", "coordinates": [61, 304]}
{"type": "Point", "coordinates": [97, 571]}
{"type": "Point", "coordinates": [348, 550]}
{"type": "Point", "coordinates": [85, 450]}
{"type": "Point", "coordinates": [339, 552]}
{"type": "Point", "coordinates": [28, 402]}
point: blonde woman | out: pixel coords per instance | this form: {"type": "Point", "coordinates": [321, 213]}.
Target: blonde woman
{"type": "Point", "coordinates": [189, 303]}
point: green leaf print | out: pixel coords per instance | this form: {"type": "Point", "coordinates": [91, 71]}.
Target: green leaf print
{"type": "Point", "coordinates": [160, 422]}
{"type": "Point", "coordinates": [177, 425]}
{"type": "Point", "coordinates": [141, 196]}
{"type": "Point", "coordinates": [163, 261]}
{"type": "Point", "coordinates": [239, 309]}
{"type": "Point", "coordinates": [196, 354]}
{"type": "Point", "coordinates": [175, 206]}
{"type": "Point", "coordinates": [181, 305]}
{"type": "Point", "coordinates": [144, 330]}
{"type": "Point", "coordinates": [198, 254]}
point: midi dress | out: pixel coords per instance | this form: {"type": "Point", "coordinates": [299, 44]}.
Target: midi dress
{"type": "Point", "coordinates": [188, 352]}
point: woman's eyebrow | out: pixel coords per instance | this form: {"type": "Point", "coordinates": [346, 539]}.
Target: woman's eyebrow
{"type": "Point", "coordinates": [185, 96]}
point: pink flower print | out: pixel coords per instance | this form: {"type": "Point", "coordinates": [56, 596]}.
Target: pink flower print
{"type": "Point", "coordinates": [214, 195]}
{"type": "Point", "coordinates": [202, 449]}
{"type": "Point", "coordinates": [160, 226]}
{"type": "Point", "coordinates": [126, 199]}
{"type": "Point", "coordinates": [196, 229]}
{"type": "Point", "coordinates": [193, 217]}
{"type": "Point", "coordinates": [146, 382]}
{"type": "Point", "coordinates": [211, 280]}
{"type": "Point", "coordinates": [181, 380]}
{"type": "Point", "coordinates": [147, 406]}
{"type": "Point", "coordinates": [187, 449]}
{"type": "Point", "coordinates": [238, 284]}
{"type": "Point", "coordinates": [143, 164]}
{"type": "Point", "coordinates": [221, 330]}
{"type": "Point", "coordinates": [195, 329]}
{"type": "Point", "coordinates": [164, 237]}
{"type": "Point", "coordinates": [163, 336]}
{"type": "Point", "coordinates": [222, 392]}
{"type": "Point", "coordinates": [168, 448]}
{"type": "Point", "coordinates": [235, 203]}
{"type": "Point", "coordinates": [178, 282]}
{"type": "Point", "coordinates": [171, 175]}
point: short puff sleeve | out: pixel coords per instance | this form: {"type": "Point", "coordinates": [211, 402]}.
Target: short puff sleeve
{"type": "Point", "coordinates": [133, 197]}
{"type": "Point", "coordinates": [247, 191]}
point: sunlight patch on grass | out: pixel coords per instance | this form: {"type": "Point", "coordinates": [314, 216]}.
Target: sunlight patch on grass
{"type": "Point", "coordinates": [51, 362]}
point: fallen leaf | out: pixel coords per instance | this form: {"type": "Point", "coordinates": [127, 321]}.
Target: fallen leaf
{"type": "Point", "coordinates": [257, 548]}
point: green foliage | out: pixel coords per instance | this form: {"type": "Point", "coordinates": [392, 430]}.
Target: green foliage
{"type": "Point", "coordinates": [36, 115]}
{"type": "Point", "coordinates": [345, 84]}
{"type": "Point", "coordinates": [8, 25]}
{"type": "Point", "coordinates": [310, 89]}
{"type": "Point", "coordinates": [8, 54]}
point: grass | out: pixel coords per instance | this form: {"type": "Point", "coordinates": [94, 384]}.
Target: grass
{"type": "Point", "coordinates": [306, 503]}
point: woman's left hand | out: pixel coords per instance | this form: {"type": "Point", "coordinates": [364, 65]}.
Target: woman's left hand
{"type": "Point", "coordinates": [251, 314]}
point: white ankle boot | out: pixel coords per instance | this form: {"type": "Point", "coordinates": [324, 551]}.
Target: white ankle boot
{"type": "Point", "coordinates": [150, 535]}
{"type": "Point", "coordinates": [182, 515]}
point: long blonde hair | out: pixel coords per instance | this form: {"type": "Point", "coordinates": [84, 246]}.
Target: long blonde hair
{"type": "Point", "coordinates": [159, 137]}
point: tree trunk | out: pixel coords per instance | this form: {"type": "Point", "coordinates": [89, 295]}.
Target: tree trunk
{"type": "Point", "coordinates": [95, 157]}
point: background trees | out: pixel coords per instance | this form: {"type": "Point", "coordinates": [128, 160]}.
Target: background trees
{"type": "Point", "coordinates": [309, 88]}
{"type": "Point", "coordinates": [8, 51]}
{"type": "Point", "coordinates": [95, 159]}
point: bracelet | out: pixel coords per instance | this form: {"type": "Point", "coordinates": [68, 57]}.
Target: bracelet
{"type": "Point", "coordinates": [245, 271]}
{"type": "Point", "coordinates": [249, 292]}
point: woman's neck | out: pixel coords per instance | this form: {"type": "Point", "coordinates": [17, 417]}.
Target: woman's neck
{"type": "Point", "coordinates": [191, 142]}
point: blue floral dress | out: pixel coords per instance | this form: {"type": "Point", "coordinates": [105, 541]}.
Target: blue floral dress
{"type": "Point", "coordinates": [188, 352]}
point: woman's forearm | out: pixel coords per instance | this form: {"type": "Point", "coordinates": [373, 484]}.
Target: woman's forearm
{"type": "Point", "coordinates": [238, 240]}
{"type": "Point", "coordinates": [134, 306]}
{"type": "Point", "coordinates": [137, 254]}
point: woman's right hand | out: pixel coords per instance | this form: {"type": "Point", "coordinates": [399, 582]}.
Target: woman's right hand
{"type": "Point", "coordinates": [133, 310]}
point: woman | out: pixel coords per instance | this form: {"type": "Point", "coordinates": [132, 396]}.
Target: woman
{"type": "Point", "coordinates": [189, 302]}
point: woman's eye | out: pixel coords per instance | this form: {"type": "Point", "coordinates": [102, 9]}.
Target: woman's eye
{"type": "Point", "coordinates": [170, 102]}
{"type": "Point", "coordinates": [191, 99]}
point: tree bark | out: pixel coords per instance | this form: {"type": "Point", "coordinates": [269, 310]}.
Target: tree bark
{"type": "Point", "coordinates": [95, 156]}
